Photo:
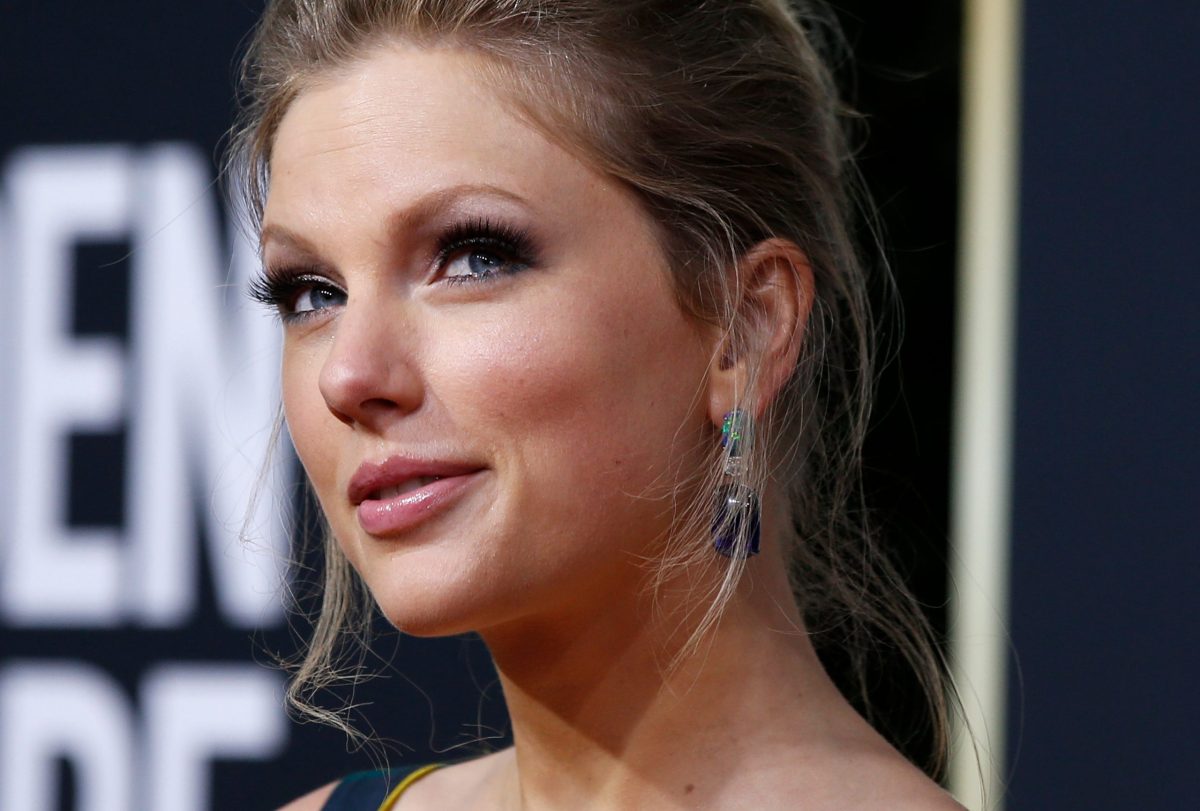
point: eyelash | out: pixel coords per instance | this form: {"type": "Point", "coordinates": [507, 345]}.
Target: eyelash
{"type": "Point", "coordinates": [279, 287]}
{"type": "Point", "coordinates": [510, 243]}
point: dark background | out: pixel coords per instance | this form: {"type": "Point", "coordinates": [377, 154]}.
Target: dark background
{"type": "Point", "coordinates": [1106, 562]}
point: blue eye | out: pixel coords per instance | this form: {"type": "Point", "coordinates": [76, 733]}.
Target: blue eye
{"type": "Point", "coordinates": [483, 250]}
{"type": "Point", "coordinates": [475, 264]}
{"type": "Point", "coordinates": [316, 297]}
{"type": "Point", "coordinates": [296, 296]}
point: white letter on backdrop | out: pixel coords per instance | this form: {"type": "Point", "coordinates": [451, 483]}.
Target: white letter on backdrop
{"type": "Point", "coordinates": [205, 401]}
{"type": "Point", "coordinates": [197, 713]}
{"type": "Point", "coordinates": [67, 711]}
{"type": "Point", "coordinates": [53, 575]}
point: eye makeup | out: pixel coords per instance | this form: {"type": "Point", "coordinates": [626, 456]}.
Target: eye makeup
{"type": "Point", "coordinates": [468, 251]}
{"type": "Point", "coordinates": [485, 249]}
{"type": "Point", "coordinates": [295, 292]}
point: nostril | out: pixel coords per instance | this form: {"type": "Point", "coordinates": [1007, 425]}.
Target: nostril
{"type": "Point", "coordinates": [371, 409]}
{"type": "Point", "coordinates": [368, 374]}
{"type": "Point", "coordinates": [378, 406]}
{"type": "Point", "coordinates": [341, 416]}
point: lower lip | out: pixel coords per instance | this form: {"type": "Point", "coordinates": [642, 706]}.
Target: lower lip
{"type": "Point", "coordinates": [399, 514]}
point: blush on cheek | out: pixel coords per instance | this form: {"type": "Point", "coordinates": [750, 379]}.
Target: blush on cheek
{"type": "Point", "coordinates": [512, 357]}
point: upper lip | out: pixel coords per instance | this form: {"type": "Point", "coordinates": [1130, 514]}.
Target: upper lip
{"type": "Point", "coordinates": [372, 477]}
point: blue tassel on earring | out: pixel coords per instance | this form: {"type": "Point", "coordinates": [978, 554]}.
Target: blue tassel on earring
{"type": "Point", "coordinates": [737, 509]}
{"type": "Point", "coordinates": [737, 513]}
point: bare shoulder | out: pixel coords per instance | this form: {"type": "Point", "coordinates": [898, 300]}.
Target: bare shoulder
{"type": "Point", "coordinates": [900, 786]}
{"type": "Point", "coordinates": [461, 785]}
{"type": "Point", "coordinates": [866, 775]}
{"type": "Point", "coordinates": [313, 801]}
{"type": "Point", "coordinates": [932, 799]}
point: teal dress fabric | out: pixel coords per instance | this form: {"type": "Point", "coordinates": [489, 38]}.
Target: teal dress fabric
{"type": "Point", "coordinates": [365, 791]}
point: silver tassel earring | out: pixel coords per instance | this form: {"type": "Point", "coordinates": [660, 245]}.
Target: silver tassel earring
{"type": "Point", "coordinates": [737, 513]}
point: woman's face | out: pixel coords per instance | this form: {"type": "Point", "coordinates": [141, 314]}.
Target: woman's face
{"type": "Point", "coordinates": [486, 374]}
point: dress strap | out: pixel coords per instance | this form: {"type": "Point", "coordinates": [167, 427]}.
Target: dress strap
{"type": "Point", "coordinates": [364, 791]}
{"type": "Point", "coordinates": [413, 776]}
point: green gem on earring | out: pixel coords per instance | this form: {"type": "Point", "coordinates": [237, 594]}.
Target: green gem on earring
{"type": "Point", "coordinates": [734, 432]}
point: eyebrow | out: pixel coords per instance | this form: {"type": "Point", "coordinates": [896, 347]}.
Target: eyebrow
{"type": "Point", "coordinates": [273, 232]}
{"type": "Point", "coordinates": [425, 208]}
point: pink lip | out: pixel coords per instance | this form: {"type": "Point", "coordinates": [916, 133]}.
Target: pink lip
{"type": "Point", "coordinates": [399, 513]}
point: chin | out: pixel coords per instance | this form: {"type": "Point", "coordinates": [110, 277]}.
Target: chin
{"type": "Point", "coordinates": [428, 597]}
{"type": "Point", "coordinates": [425, 615]}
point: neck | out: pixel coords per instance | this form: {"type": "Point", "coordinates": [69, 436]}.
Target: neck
{"type": "Point", "coordinates": [601, 719]}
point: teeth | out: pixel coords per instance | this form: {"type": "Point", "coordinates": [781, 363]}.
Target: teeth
{"type": "Point", "coordinates": [405, 487]}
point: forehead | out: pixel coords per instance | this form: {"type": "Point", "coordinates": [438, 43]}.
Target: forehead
{"type": "Point", "coordinates": [403, 121]}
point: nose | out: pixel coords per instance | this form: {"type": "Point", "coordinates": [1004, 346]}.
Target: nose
{"type": "Point", "coordinates": [370, 375]}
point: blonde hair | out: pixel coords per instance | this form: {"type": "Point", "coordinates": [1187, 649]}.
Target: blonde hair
{"type": "Point", "coordinates": [725, 121]}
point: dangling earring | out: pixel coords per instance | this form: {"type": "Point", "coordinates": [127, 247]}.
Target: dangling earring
{"type": "Point", "coordinates": [737, 513]}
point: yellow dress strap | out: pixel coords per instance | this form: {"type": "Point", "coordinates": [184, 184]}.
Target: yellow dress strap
{"type": "Point", "coordinates": [413, 777]}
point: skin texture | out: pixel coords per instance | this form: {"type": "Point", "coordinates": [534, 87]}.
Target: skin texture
{"type": "Point", "coordinates": [586, 399]}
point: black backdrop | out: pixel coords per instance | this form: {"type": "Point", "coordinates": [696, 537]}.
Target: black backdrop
{"type": "Point", "coordinates": [1105, 594]}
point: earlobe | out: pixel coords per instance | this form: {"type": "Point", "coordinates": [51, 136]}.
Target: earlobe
{"type": "Point", "coordinates": [774, 289]}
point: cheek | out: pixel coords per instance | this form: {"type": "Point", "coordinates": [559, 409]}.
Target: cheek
{"type": "Point", "coordinates": [585, 392]}
{"type": "Point", "coordinates": [306, 414]}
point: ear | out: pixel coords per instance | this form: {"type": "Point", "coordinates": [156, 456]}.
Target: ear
{"type": "Point", "coordinates": [774, 290]}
